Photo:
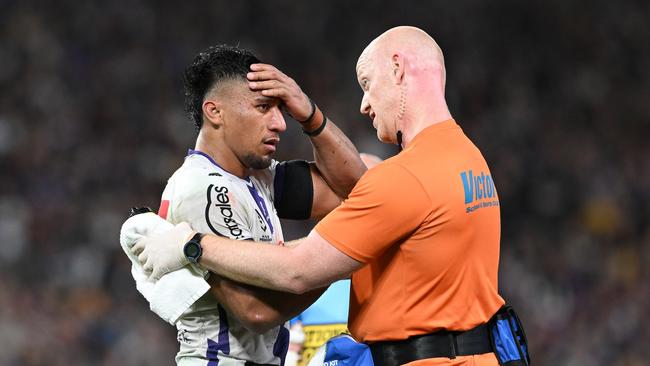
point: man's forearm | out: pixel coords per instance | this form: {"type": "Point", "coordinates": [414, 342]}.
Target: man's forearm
{"type": "Point", "coordinates": [311, 264]}
{"type": "Point", "coordinates": [262, 265]}
{"type": "Point", "coordinates": [259, 309]}
{"type": "Point", "coordinates": [336, 157]}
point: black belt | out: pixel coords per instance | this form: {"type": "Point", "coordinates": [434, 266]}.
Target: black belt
{"type": "Point", "coordinates": [448, 344]}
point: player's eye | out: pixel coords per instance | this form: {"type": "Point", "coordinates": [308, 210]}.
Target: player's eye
{"type": "Point", "coordinates": [263, 107]}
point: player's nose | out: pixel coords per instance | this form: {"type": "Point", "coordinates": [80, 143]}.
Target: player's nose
{"type": "Point", "coordinates": [278, 124]}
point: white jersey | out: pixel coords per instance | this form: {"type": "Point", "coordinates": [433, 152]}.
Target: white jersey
{"type": "Point", "coordinates": [214, 201]}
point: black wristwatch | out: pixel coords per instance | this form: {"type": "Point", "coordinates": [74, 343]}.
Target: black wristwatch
{"type": "Point", "coordinates": [193, 249]}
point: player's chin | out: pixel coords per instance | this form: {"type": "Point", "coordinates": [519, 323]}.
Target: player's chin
{"type": "Point", "coordinates": [255, 161]}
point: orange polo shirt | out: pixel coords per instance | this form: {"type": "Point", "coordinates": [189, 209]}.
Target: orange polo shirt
{"type": "Point", "coordinates": [427, 224]}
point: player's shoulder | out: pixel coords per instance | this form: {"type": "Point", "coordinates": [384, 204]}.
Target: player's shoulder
{"type": "Point", "coordinates": [194, 170]}
{"type": "Point", "coordinates": [197, 174]}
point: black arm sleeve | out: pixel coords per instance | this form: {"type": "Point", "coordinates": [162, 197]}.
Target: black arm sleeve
{"type": "Point", "coordinates": [293, 190]}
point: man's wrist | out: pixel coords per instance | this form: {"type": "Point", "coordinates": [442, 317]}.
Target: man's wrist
{"type": "Point", "coordinates": [316, 125]}
{"type": "Point", "coordinates": [311, 113]}
{"type": "Point", "coordinates": [193, 250]}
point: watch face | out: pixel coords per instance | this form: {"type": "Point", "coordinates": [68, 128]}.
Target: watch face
{"type": "Point", "coordinates": [192, 250]}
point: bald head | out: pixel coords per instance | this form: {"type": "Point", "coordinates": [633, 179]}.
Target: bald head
{"type": "Point", "coordinates": [402, 73]}
{"type": "Point", "coordinates": [415, 44]}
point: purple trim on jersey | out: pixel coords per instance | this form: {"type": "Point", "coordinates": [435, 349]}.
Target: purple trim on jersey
{"type": "Point", "coordinates": [281, 345]}
{"type": "Point", "coordinates": [260, 204]}
{"type": "Point", "coordinates": [223, 342]}
{"type": "Point", "coordinates": [251, 188]}
{"type": "Point", "coordinates": [197, 152]}
{"type": "Point", "coordinates": [212, 353]}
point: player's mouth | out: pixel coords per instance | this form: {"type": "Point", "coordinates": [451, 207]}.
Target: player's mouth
{"type": "Point", "coordinates": [271, 143]}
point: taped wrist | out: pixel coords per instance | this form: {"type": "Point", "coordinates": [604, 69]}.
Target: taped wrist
{"type": "Point", "coordinates": [315, 125]}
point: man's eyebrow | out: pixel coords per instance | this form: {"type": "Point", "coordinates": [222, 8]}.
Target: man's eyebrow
{"type": "Point", "coordinates": [264, 99]}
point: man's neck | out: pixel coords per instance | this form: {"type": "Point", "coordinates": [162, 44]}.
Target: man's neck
{"type": "Point", "coordinates": [223, 156]}
{"type": "Point", "coordinates": [418, 121]}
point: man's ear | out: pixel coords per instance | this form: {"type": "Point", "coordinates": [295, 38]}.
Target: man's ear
{"type": "Point", "coordinates": [397, 61]}
{"type": "Point", "coordinates": [212, 113]}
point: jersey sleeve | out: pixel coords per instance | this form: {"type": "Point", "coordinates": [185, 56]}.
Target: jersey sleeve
{"type": "Point", "coordinates": [387, 204]}
{"type": "Point", "coordinates": [210, 204]}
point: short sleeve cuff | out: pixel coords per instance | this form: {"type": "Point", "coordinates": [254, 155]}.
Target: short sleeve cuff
{"type": "Point", "coordinates": [322, 230]}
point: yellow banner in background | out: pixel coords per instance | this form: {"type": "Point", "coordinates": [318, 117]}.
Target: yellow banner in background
{"type": "Point", "coordinates": [316, 336]}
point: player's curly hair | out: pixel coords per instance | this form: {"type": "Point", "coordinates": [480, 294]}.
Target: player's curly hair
{"type": "Point", "coordinates": [211, 66]}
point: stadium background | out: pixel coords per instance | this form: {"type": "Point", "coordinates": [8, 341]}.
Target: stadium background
{"type": "Point", "coordinates": [555, 93]}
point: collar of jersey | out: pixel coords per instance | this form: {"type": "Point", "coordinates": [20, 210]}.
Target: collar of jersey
{"type": "Point", "coordinates": [443, 125]}
{"type": "Point", "coordinates": [191, 152]}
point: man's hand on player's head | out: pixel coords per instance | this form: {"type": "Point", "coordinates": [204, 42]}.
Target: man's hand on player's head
{"type": "Point", "coordinates": [274, 83]}
{"type": "Point", "coordinates": [162, 252]}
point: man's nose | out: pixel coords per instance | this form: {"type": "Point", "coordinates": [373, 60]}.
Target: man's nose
{"type": "Point", "coordinates": [278, 123]}
{"type": "Point", "coordinates": [365, 106]}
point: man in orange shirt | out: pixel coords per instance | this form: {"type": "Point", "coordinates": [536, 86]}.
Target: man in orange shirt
{"type": "Point", "coordinates": [419, 233]}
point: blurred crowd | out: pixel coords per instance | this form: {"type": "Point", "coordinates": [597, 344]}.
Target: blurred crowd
{"type": "Point", "coordinates": [556, 94]}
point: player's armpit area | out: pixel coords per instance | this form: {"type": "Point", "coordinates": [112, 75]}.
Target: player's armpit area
{"type": "Point", "coordinates": [324, 199]}
{"type": "Point", "coordinates": [293, 190]}
{"type": "Point", "coordinates": [259, 309]}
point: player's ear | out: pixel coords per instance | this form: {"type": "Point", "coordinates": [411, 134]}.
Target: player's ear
{"type": "Point", "coordinates": [397, 61]}
{"type": "Point", "coordinates": [212, 113]}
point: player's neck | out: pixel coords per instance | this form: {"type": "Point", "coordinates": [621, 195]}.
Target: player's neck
{"type": "Point", "coordinates": [223, 156]}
